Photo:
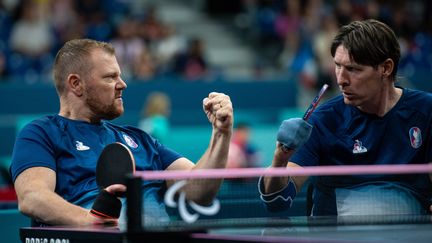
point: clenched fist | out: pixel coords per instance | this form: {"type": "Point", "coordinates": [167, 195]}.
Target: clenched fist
{"type": "Point", "coordinates": [219, 111]}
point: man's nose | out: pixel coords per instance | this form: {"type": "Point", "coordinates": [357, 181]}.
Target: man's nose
{"type": "Point", "coordinates": [341, 77]}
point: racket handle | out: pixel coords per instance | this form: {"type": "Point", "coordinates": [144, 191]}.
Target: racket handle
{"type": "Point", "coordinates": [106, 206]}
{"type": "Point", "coordinates": [291, 142]}
{"type": "Point", "coordinates": [315, 102]}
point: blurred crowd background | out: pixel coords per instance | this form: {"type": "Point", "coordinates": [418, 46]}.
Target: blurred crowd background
{"type": "Point", "coordinates": [270, 56]}
{"type": "Point", "coordinates": [207, 40]}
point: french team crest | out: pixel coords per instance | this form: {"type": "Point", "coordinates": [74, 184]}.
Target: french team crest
{"type": "Point", "coordinates": [130, 142]}
{"type": "Point", "coordinates": [415, 137]}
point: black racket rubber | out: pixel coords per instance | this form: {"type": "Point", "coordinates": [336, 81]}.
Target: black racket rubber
{"type": "Point", "coordinates": [114, 163]}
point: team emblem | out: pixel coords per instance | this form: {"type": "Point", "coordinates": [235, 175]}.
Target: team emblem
{"type": "Point", "coordinates": [130, 142]}
{"type": "Point", "coordinates": [415, 137]}
{"type": "Point", "coordinates": [359, 148]}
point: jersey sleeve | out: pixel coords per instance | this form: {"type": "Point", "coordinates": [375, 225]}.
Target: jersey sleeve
{"type": "Point", "coordinates": [167, 155]}
{"type": "Point", "coordinates": [32, 149]}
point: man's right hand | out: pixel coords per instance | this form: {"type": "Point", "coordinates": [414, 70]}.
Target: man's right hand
{"type": "Point", "coordinates": [293, 133]}
{"type": "Point", "coordinates": [281, 155]}
{"type": "Point", "coordinates": [107, 206]}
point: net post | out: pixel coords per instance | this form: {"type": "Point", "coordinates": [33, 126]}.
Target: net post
{"type": "Point", "coordinates": [134, 203]}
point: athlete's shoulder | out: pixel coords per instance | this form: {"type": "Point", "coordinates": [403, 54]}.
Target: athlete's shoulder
{"type": "Point", "coordinates": [41, 122]}
{"type": "Point", "coordinates": [334, 102]}
{"type": "Point", "coordinates": [417, 100]}
{"type": "Point", "coordinates": [333, 107]}
{"type": "Point", "coordinates": [417, 95]}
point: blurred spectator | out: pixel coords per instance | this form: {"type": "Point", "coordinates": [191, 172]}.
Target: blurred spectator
{"type": "Point", "coordinates": [145, 66]}
{"type": "Point", "coordinates": [298, 62]}
{"type": "Point", "coordinates": [155, 116]}
{"type": "Point", "coordinates": [5, 25]}
{"type": "Point", "coordinates": [8, 198]}
{"type": "Point", "coordinates": [129, 46]}
{"type": "Point", "coordinates": [3, 69]}
{"type": "Point", "coordinates": [343, 11]}
{"type": "Point", "coordinates": [287, 36]}
{"type": "Point", "coordinates": [66, 22]}
{"type": "Point", "coordinates": [32, 34]}
{"type": "Point", "coordinates": [242, 153]}
{"type": "Point", "coordinates": [152, 29]}
{"type": "Point", "coordinates": [325, 63]}
{"type": "Point", "coordinates": [94, 15]}
{"type": "Point", "coordinates": [296, 58]}
{"type": "Point", "coordinates": [263, 29]}
{"type": "Point", "coordinates": [31, 40]}
{"type": "Point", "coordinates": [192, 64]}
{"type": "Point", "coordinates": [170, 45]}
{"type": "Point", "coordinates": [312, 15]}
{"type": "Point", "coordinates": [288, 21]}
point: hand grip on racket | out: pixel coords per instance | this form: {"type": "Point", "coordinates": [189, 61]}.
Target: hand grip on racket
{"type": "Point", "coordinates": [114, 163]}
{"type": "Point", "coordinates": [294, 132]}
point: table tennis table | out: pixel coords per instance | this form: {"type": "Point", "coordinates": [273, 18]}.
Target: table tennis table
{"type": "Point", "coordinates": [353, 228]}
{"type": "Point", "coordinates": [394, 228]}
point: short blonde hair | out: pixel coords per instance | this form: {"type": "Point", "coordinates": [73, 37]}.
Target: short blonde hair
{"type": "Point", "coordinates": [73, 57]}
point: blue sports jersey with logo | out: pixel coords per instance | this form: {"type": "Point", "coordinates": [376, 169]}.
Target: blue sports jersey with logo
{"type": "Point", "coordinates": [71, 149]}
{"type": "Point", "coordinates": [344, 135]}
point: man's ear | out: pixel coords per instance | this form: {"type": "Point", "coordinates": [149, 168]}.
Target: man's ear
{"type": "Point", "coordinates": [387, 68]}
{"type": "Point", "coordinates": [75, 84]}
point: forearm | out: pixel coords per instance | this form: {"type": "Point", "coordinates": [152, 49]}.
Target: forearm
{"type": "Point", "coordinates": [215, 157]}
{"type": "Point", "coordinates": [280, 160]}
{"type": "Point", "coordinates": [35, 188]}
{"type": "Point", "coordinates": [292, 134]}
{"type": "Point", "coordinates": [219, 111]}
{"type": "Point", "coordinates": [278, 193]}
{"type": "Point", "coordinates": [47, 207]}
{"type": "Point", "coordinates": [216, 154]}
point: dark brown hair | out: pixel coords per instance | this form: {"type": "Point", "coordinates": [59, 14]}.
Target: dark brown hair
{"type": "Point", "coordinates": [369, 42]}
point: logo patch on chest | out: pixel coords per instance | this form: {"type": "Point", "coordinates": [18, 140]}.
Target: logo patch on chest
{"type": "Point", "coordinates": [80, 146]}
{"type": "Point", "coordinates": [415, 137]}
{"type": "Point", "coordinates": [130, 142]}
{"type": "Point", "coordinates": [359, 148]}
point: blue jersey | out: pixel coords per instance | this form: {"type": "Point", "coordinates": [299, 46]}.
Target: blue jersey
{"type": "Point", "coordinates": [71, 149]}
{"type": "Point", "coordinates": [344, 135]}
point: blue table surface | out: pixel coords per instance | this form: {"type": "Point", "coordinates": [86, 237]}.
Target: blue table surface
{"type": "Point", "coordinates": [395, 228]}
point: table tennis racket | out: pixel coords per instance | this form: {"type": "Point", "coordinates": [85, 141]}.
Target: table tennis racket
{"type": "Point", "coordinates": [307, 114]}
{"type": "Point", "coordinates": [315, 102]}
{"type": "Point", "coordinates": [114, 163]}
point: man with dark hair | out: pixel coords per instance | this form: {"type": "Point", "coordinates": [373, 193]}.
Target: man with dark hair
{"type": "Point", "coordinates": [372, 122]}
{"type": "Point", "coordinates": [54, 158]}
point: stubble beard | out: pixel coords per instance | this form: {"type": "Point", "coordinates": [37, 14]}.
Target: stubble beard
{"type": "Point", "coordinates": [104, 111]}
